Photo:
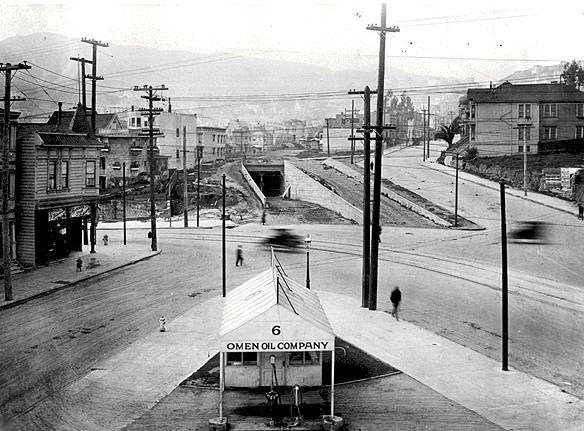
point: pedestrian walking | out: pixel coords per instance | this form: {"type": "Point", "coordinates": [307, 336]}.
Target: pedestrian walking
{"type": "Point", "coordinates": [395, 299]}
{"type": "Point", "coordinates": [239, 256]}
{"type": "Point", "coordinates": [79, 265]}
{"type": "Point", "coordinates": [580, 211]}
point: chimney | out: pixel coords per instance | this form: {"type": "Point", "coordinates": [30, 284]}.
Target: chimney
{"type": "Point", "coordinates": [169, 105]}
{"type": "Point", "coordinates": [59, 114]}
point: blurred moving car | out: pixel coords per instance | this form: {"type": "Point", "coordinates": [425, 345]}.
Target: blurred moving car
{"type": "Point", "coordinates": [529, 232]}
{"type": "Point", "coordinates": [283, 238]}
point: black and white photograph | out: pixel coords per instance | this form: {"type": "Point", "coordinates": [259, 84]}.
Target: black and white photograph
{"type": "Point", "coordinates": [307, 215]}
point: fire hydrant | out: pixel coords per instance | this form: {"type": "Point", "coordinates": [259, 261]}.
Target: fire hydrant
{"type": "Point", "coordinates": [162, 324]}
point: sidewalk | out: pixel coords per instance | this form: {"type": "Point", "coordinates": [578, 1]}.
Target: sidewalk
{"type": "Point", "coordinates": [62, 273]}
{"type": "Point", "coordinates": [511, 399]}
{"type": "Point", "coordinates": [125, 386]}
{"type": "Point", "coordinates": [545, 200]}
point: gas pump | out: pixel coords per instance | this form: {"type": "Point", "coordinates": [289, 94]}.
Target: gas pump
{"type": "Point", "coordinates": [295, 407]}
{"type": "Point", "coordinates": [273, 397]}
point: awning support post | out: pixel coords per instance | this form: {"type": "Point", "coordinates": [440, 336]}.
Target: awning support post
{"type": "Point", "coordinates": [221, 383]}
{"type": "Point", "coordinates": [333, 383]}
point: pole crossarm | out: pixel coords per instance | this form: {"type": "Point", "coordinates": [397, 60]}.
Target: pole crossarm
{"type": "Point", "coordinates": [361, 92]}
{"type": "Point", "coordinates": [383, 30]}
{"type": "Point", "coordinates": [13, 99]}
{"type": "Point", "coordinates": [6, 67]}
{"type": "Point", "coordinates": [81, 59]}
{"type": "Point", "coordinates": [95, 42]}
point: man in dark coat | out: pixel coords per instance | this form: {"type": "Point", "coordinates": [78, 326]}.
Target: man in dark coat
{"type": "Point", "coordinates": [395, 299]}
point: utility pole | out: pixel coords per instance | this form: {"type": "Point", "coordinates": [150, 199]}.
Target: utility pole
{"type": "Point", "coordinates": [6, 243]}
{"type": "Point", "coordinates": [382, 29]}
{"type": "Point", "coordinates": [94, 78]}
{"type": "Point", "coordinates": [428, 123]}
{"type": "Point", "coordinates": [525, 128]}
{"type": "Point", "coordinates": [456, 195]}
{"type": "Point", "coordinates": [352, 130]}
{"type": "Point", "coordinates": [185, 180]}
{"type": "Point", "coordinates": [424, 139]}
{"type": "Point", "coordinates": [224, 286]}
{"type": "Point", "coordinates": [199, 157]}
{"type": "Point", "coordinates": [83, 61]}
{"type": "Point", "coordinates": [328, 145]}
{"type": "Point", "coordinates": [504, 283]}
{"type": "Point", "coordinates": [366, 194]}
{"type": "Point", "coordinates": [124, 198]}
{"type": "Point", "coordinates": [152, 97]}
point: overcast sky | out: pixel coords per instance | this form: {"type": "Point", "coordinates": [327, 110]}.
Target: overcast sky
{"type": "Point", "coordinates": [331, 33]}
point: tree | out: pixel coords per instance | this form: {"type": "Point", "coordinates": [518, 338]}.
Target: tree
{"type": "Point", "coordinates": [447, 133]}
{"type": "Point", "coordinates": [573, 73]}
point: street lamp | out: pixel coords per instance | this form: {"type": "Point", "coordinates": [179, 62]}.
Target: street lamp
{"type": "Point", "coordinates": [307, 241]}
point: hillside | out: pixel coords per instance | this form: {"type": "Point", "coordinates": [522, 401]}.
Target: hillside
{"type": "Point", "coordinates": [189, 74]}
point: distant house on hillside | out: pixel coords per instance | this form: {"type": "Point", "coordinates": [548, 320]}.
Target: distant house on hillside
{"type": "Point", "coordinates": [498, 120]}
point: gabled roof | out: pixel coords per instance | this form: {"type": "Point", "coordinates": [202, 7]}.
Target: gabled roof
{"type": "Point", "coordinates": [68, 140]}
{"type": "Point", "coordinates": [534, 93]}
{"type": "Point", "coordinates": [272, 289]}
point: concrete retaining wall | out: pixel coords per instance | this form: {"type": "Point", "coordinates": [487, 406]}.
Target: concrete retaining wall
{"type": "Point", "coordinates": [352, 173]}
{"type": "Point", "coordinates": [253, 185]}
{"type": "Point", "coordinates": [304, 188]}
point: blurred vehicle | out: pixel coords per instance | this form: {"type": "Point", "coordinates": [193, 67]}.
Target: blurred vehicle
{"type": "Point", "coordinates": [282, 238]}
{"type": "Point", "coordinates": [529, 232]}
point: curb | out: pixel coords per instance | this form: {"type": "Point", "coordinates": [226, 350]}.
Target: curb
{"type": "Point", "coordinates": [73, 283]}
{"type": "Point", "coordinates": [492, 187]}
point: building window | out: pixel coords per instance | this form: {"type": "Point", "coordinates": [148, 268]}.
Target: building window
{"type": "Point", "coordinates": [12, 144]}
{"type": "Point", "coordinates": [65, 175]}
{"type": "Point", "coordinates": [242, 358]}
{"type": "Point", "coordinates": [177, 153]}
{"type": "Point", "coordinates": [550, 133]}
{"type": "Point", "coordinates": [138, 122]}
{"type": "Point", "coordinates": [90, 173]}
{"type": "Point", "coordinates": [579, 110]}
{"type": "Point", "coordinates": [213, 150]}
{"type": "Point", "coordinates": [520, 149]}
{"type": "Point", "coordinates": [12, 185]}
{"type": "Point", "coordinates": [145, 123]}
{"type": "Point", "coordinates": [213, 138]}
{"type": "Point", "coordinates": [133, 122]}
{"type": "Point", "coordinates": [524, 111]}
{"type": "Point", "coordinates": [200, 138]}
{"type": "Point", "coordinates": [527, 148]}
{"type": "Point", "coordinates": [102, 163]}
{"type": "Point", "coordinates": [473, 110]}
{"type": "Point", "coordinates": [550, 110]}
{"type": "Point", "coordinates": [52, 175]}
{"type": "Point", "coordinates": [473, 132]}
{"type": "Point", "coordinates": [177, 132]}
{"type": "Point", "coordinates": [304, 358]}
{"type": "Point", "coordinates": [103, 182]}
{"type": "Point", "coordinates": [524, 133]}
{"type": "Point", "coordinates": [579, 132]}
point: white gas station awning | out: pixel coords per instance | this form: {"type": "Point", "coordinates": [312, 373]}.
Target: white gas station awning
{"type": "Point", "coordinates": [272, 312]}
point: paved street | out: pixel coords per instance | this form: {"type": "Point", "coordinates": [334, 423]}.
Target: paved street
{"type": "Point", "coordinates": [559, 260]}
{"type": "Point", "coordinates": [57, 339]}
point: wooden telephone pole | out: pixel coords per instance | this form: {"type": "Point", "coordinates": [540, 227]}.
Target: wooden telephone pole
{"type": "Point", "coordinates": [366, 193]}
{"type": "Point", "coordinates": [382, 29]}
{"type": "Point", "coordinates": [152, 97]}
{"type": "Point", "coordinates": [94, 78]}
{"type": "Point", "coordinates": [83, 61]}
{"type": "Point", "coordinates": [6, 243]}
